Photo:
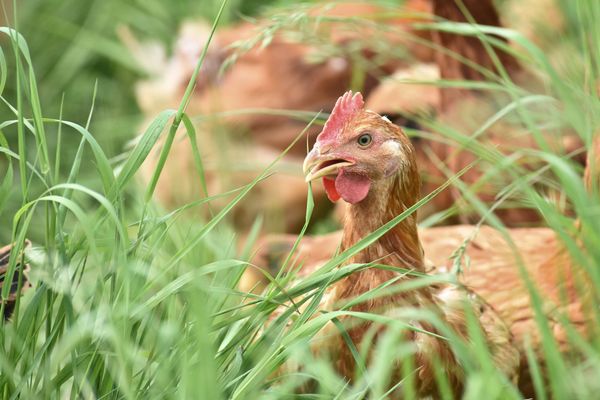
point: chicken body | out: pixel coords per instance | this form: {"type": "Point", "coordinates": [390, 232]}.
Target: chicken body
{"type": "Point", "coordinates": [494, 273]}
{"type": "Point", "coordinates": [370, 163]}
{"type": "Point", "coordinates": [493, 270]}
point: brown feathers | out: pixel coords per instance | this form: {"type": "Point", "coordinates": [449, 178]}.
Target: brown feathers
{"type": "Point", "coordinates": [465, 57]}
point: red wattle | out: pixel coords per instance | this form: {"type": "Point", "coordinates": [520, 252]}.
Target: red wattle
{"type": "Point", "coordinates": [351, 187]}
{"type": "Point", "coordinates": [330, 189]}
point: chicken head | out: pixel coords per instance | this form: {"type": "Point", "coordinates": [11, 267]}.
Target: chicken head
{"type": "Point", "coordinates": [358, 153]}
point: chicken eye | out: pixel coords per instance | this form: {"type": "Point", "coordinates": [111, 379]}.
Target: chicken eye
{"type": "Point", "coordinates": [364, 140]}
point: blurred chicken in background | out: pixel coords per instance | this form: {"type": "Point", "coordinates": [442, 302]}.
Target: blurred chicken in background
{"type": "Point", "coordinates": [253, 110]}
{"type": "Point", "coordinates": [477, 112]}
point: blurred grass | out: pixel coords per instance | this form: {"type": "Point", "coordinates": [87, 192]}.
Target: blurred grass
{"type": "Point", "coordinates": [75, 49]}
{"type": "Point", "coordinates": [132, 302]}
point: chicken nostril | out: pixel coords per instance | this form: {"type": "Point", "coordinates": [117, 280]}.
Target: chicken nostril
{"type": "Point", "coordinates": [324, 149]}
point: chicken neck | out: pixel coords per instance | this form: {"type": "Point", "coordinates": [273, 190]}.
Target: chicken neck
{"type": "Point", "coordinates": [399, 247]}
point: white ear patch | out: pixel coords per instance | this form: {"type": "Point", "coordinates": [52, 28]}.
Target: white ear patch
{"type": "Point", "coordinates": [386, 119]}
{"type": "Point", "coordinates": [391, 147]}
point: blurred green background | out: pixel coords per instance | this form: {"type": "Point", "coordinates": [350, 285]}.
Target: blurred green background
{"type": "Point", "coordinates": [73, 45]}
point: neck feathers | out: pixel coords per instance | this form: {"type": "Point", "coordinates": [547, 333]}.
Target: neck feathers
{"type": "Point", "coordinates": [400, 246]}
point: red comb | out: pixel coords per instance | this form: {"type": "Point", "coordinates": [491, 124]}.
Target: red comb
{"type": "Point", "coordinates": [345, 108]}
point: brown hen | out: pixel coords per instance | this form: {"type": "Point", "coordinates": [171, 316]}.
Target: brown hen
{"type": "Point", "coordinates": [368, 162]}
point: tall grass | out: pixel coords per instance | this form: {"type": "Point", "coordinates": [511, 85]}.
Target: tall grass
{"type": "Point", "coordinates": [131, 301]}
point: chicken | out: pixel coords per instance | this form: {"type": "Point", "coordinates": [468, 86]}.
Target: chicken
{"type": "Point", "coordinates": [19, 282]}
{"type": "Point", "coordinates": [311, 68]}
{"type": "Point", "coordinates": [370, 164]}
{"type": "Point", "coordinates": [230, 158]}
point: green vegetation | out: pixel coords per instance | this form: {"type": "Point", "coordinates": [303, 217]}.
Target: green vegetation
{"type": "Point", "coordinates": [131, 301]}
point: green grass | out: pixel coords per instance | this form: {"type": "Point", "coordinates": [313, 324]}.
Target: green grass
{"type": "Point", "coordinates": [132, 301]}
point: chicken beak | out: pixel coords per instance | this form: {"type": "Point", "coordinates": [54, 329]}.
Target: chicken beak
{"type": "Point", "coordinates": [311, 160]}
{"type": "Point", "coordinates": [317, 165]}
